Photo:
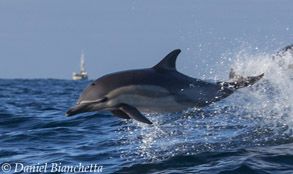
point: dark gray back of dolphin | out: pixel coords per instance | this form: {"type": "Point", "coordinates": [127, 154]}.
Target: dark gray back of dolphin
{"type": "Point", "coordinates": [287, 48]}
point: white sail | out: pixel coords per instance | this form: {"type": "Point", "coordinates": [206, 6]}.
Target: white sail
{"type": "Point", "coordinates": [82, 64]}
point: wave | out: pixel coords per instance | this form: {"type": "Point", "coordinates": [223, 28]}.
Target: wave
{"type": "Point", "coordinates": [248, 160]}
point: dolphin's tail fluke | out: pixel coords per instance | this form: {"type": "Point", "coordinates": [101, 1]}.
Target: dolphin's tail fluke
{"type": "Point", "coordinates": [237, 81]}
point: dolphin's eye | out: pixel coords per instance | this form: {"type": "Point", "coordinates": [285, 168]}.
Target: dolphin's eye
{"type": "Point", "coordinates": [104, 99]}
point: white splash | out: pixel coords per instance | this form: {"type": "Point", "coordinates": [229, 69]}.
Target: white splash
{"type": "Point", "coordinates": [272, 98]}
{"type": "Point", "coordinates": [255, 116]}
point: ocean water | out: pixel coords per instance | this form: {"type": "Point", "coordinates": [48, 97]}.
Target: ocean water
{"type": "Point", "coordinates": [249, 132]}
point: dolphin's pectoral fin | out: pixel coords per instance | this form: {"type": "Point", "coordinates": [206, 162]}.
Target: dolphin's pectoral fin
{"type": "Point", "coordinates": [120, 114]}
{"type": "Point", "coordinates": [134, 113]}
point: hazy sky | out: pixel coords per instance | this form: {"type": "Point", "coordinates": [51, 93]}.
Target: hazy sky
{"type": "Point", "coordinates": [44, 39]}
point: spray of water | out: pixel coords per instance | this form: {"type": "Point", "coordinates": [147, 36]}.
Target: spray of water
{"type": "Point", "coordinates": [256, 116]}
{"type": "Point", "coordinates": [272, 98]}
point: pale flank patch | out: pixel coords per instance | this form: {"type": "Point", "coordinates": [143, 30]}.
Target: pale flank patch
{"type": "Point", "coordinates": [146, 98]}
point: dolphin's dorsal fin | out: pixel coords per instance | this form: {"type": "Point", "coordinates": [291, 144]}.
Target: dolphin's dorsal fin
{"type": "Point", "coordinates": [232, 74]}
{"type": "Point", "coordinates": [168, 62]}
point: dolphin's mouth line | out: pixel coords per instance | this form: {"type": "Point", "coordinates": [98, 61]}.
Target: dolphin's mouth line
{"type": "Point", "coordinates": [88, 102]}
{"type": "Point", "coordinates": [93, 101]}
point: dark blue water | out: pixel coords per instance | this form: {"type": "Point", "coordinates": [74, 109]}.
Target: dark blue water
{"type": "Point", "coordinates": [249, 132]}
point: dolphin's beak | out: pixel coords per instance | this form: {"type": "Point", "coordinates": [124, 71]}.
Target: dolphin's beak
{"type": "Point", "coordinates": [69, 113]}
{"type": "Point", "coordinates": [76, 110]}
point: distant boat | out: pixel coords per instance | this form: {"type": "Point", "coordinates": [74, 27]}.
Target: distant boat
{"type": "Point", "coordinates": [83, 74]}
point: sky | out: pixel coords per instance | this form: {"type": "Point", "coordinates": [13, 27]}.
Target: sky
{"type": "Point", "coordinates": [44, 39]}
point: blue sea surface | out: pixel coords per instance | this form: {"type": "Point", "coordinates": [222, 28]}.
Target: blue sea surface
{"type": "Point", "coordinates": [248, 132]}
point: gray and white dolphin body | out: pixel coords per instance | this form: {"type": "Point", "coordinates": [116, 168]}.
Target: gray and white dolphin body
{"type": "Point", "coordinates": [159, 89]}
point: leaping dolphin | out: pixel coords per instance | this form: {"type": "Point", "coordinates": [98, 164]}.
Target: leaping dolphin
{"type": "Point", "coordinates": [284, 57]}
{"type": "Point", "coordinates": [159, 89]}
